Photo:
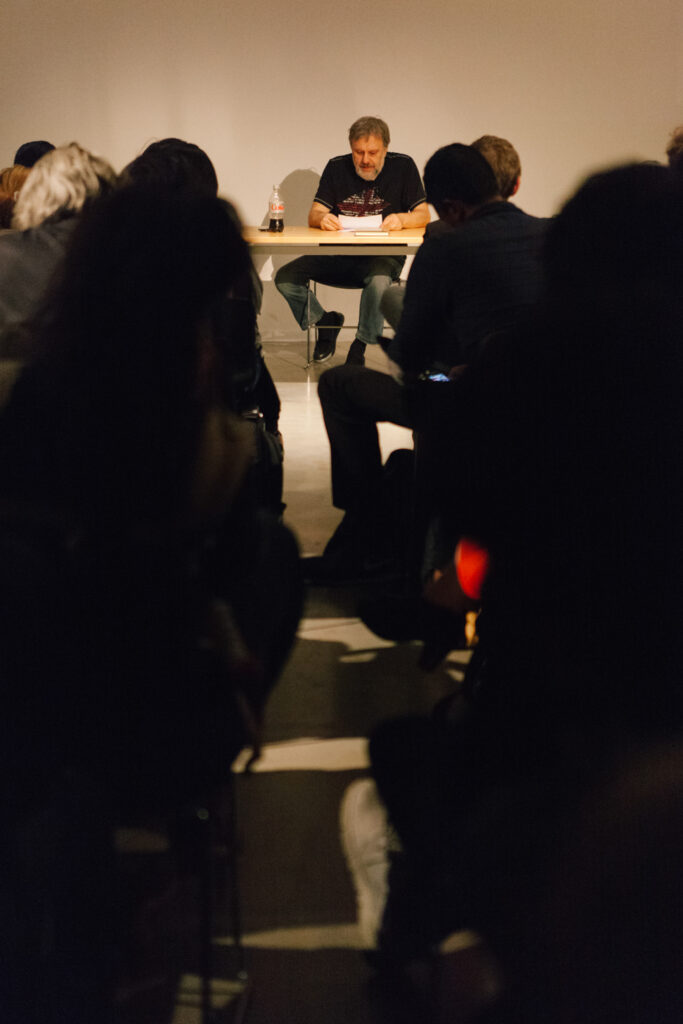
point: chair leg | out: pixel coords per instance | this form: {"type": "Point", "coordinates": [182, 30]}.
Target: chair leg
{"type": "Point", "coordinates": [233, 868]}
{"type": "Point", "coordinates": [223, 833]}
{"type": "Point", "coordinates": [308, 322]}
{"type": "Point", "coordinates": [204, 866]}
{"type": "Point", "coordinates": [216, 826]}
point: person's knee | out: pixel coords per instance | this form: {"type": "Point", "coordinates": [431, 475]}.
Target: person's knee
{"type": "Point", "coordinates": [339, 386]}
{"type": "Point", "coordinates": [289, 275]}
{"type": "Point", "coordinates": [329, 384]}
{"type": "Point", "coordinates": [391, 304]}
{"type": "Point", "coordinates": [377, 284]}
{"type": "Point", "coordinates": [281, 277]}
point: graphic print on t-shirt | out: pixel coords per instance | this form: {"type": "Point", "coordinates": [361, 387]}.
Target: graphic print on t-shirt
{"type": "Point", "coordinates": [363, 204]}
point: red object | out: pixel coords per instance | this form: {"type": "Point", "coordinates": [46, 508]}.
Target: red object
{"type": "Point", "coordinates": [471, 566]}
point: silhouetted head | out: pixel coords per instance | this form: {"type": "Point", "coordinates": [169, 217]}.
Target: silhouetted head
{"type": "Point", "coordinates": [457, 180]}
{"type": "Point", "coordinates": [616, 231]}
{"type": "Point", "coordinates": [61, 182]}
{"type": "Point", "coordinates": [30, 152]}
{"type": "Point", "coordinates": [674, 150]}
{"type": "Point", "coordinates": [173, 164]}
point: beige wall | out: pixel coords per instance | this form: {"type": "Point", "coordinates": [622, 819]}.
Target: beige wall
{"type": "Point", "coordinates": [269, 89]}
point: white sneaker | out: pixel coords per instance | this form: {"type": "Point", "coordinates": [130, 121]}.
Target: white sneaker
{"type": "Point", "coordinates": [367, 839]}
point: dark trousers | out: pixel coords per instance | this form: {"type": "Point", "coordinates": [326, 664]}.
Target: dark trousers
{"type": "Point", "coordinates": [354, 400]}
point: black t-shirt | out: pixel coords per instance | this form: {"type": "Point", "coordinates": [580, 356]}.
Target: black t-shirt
{"type": "Point", "coordinates": [396, 189]}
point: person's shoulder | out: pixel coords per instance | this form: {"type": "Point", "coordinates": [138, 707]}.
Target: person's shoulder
{"type": "Point", "coordinates": [53, 233]}
{"type": "Point", "coordinates": [540, 222]}
{"type": "Point", "coordinates": [440, 245]}
{"type": "Point", "coordinates": [336, 161]}
{"type": "Point", "coordinates": [40, 243]}
{"type": "Point", "coordinates": [501, 218]}
{"type": "Point", "coordinates": [435, 228]}
{"type": "Point", "coordinates": [14, 244]}
{"type": "Point", "coordinates": [398, 159]}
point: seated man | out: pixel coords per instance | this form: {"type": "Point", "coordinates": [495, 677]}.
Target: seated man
{"type": "Point", "coordinates": [368, 180]}
{"type": "Point", "coordinates": [507, 167]}
{"type": "Point", "coordinates": [465, 285]}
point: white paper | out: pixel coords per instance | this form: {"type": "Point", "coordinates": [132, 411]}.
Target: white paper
{"type": "Point", "coordinates": [373, 223]}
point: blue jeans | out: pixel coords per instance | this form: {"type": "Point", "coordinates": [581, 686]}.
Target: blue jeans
{"type": "Point", "coordinates": [373, 274]}
{"type": "Point", "coordinates": [392, 305]}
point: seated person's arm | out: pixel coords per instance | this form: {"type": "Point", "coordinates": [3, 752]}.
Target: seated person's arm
{"type": "Point", "coordinates": [417, 218]}
{"type": "Point", "coordinates": [422, 318]}
{"type": "Point", "coordinates": [320, 216]}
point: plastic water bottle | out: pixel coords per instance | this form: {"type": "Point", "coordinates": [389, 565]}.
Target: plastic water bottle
{"type": "Point", "coordinates": [277, 210]}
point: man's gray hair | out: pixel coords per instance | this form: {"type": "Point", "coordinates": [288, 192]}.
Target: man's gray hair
{"type": "Point", "coordinates": [365, 126]}
{"type": "Point", "coordinates": [61, 180]}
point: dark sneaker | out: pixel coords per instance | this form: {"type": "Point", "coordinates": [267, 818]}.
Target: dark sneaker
{"type": "Point", "coordinates": [405, 618]}
{"type": "Point", "coordinates": [352, 555]}
{"type": "Point", "coordinates": [342, 557]}
{"type": "Point", "coordinates": [351, 531]}
{"type": "Point", "coordinates": [356, 354]}
{"type": "Point", "coordinates": [329, 325]}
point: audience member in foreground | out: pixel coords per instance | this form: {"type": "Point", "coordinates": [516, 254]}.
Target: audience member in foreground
{"type": "Point", "coordinates": [183, 168]}
{"type": "Point", "coordinates": [369, 181]}
{"type": "Point", "coordinates": [146, 615]}
{"type": "Point", "coordinates": [56, 190]}
{"type": "Point", "coordinates": [605, 945]}
{"type": "Point", "coordinates": [248, 387]}
{"type": "Point", "coordinates": [571, 476]}
{"type": "Point", "coordinates": [464, 285]}
{"type": "Point", "coordinates": [507, 167]}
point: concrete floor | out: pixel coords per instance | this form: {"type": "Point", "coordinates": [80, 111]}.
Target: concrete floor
{"type": "Point", "coordinates": [297, 897]}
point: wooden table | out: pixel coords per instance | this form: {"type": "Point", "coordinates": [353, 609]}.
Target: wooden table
{"type": "Point", "coordinates": [314, 241]}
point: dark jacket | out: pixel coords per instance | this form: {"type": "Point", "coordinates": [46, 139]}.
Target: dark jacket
{"type": "Point", "coordinates": [28, 261]}
{"type": "Point", "coordinates": [467, 284]}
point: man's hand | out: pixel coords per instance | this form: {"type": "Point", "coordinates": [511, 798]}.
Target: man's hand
{"type": "Point", "coordinates": [416, 218]}
{"type": "Point", "coordinates": [320, 217]}
{"type": "Point", "coordinates": [392, 223]}
{"type": "Point", "coordinates": [330, 223]}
